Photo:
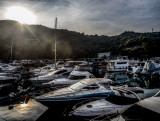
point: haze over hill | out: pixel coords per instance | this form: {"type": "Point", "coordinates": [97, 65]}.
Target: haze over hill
{"type": "Point", "coordinates": [37, 42]}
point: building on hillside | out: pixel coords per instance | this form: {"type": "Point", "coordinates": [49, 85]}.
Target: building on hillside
{"type": "Point", "coordinates": [104, 55]}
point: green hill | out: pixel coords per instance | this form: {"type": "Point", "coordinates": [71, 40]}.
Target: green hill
{"type": "Point", "coordinates": [37, 42]}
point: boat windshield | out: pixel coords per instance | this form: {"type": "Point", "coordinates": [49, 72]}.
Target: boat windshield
{"type": "Point", "coordinates": [57, 72]}
{"type": "Point", "coordinates": [157, 94]}
{"type": "Point", "coordinates": [60, 63]}
{"type": "Point", "coordinates": [121, 62]}
{"type": "Point", "coordinates": [77, 86]}
{"type": "Point", "coordinates": [73, 77]}
{"type": "Point", "coordinates": [82, 68]}
{"type": "Point", "coordinates": [46, 68]}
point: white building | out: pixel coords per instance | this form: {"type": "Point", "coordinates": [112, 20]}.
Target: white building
{"type": "Point", "coordinates": [101, 55]}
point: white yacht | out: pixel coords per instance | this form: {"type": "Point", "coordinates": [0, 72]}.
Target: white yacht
{"type": "Point", "coordinates": [83, 67]}
{"type": "Point", "coordinates": [60, 73]}
{"type": "Point", "coordinates": [136, 69]}
{"type": "Point", "coordinates": [73, 63]}
{"type": "Point", "coordinates": [124, 98]}
{"type": "Point", "coordinates": [73, 77]}
{"type": "Point", "coordinates": [117, 77]}
{"type": "Point", "coordinates": [117, 65]}
{"type": "Point", "coordinates": [144, 110]}
{"type": "Point", "coordinates": [83, 90]}
{"type": "Point", "coordinates": [42, 70]}
{"type": "Point", "coordinates": [151, 67]}
{"type": "Point", "coordinates": [105, 106]}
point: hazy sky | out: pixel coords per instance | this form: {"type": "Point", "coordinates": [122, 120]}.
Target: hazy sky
{"type": "Point", "coordinates": [108, 17]}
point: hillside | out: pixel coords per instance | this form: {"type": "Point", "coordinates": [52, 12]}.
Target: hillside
{"type": "Point", "coordinates": [37, 42]}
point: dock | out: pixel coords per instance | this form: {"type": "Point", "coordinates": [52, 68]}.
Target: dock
{"type": "Point", "coordinates": [22, 112]}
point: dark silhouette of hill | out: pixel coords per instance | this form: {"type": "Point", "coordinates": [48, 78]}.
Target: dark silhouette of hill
{"type": "Point", "coordinates": [37, 42]}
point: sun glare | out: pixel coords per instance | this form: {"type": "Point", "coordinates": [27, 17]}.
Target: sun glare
{"type": "Point", "coordinates": [20, 14]}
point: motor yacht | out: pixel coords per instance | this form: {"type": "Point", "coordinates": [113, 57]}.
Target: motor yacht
{"type": "Point", "coordinates": [60, 73]}
{"type": "Point", "coordinates": [117, 65]}
{"type": "Point", "coordinates": [144, 110]}
{"type": "Point", "coordinates": [73, 77]}
{"type": "Point", "coordinates": [114, 105]}
{"type": "Point", "coordinates": [42, 70]}
{"type": "Point", "coordinates": [95, 88]}
{"type": "Point", "coordinates": [136, 69]}
{"type": "Point", "coordinates": [151, 67]}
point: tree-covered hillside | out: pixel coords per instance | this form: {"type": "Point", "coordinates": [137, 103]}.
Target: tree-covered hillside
{"type": "Point", "coordinates": [37, 42]}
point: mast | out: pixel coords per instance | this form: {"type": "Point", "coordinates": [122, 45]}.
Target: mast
{"type": "Point", "coordinates": [11, 49]}
{"type": "Point", "coordinates": [55, 58]}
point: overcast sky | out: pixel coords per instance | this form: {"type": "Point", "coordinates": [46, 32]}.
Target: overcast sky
{"type": "Point", "coordinates": [102, 17]}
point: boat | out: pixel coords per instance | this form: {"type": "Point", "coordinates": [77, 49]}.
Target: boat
{"type": "Point", "coordinates": [83, 90]}
{"type": "Point", "coordinates": [73, 77]}
{"type": "Point", "coordinates": [150, 68]}
{"type": "Point", "coordinates": [113, 105]}
{"type": "Point", "coordinates": [144, 110]}
{"type": "Point", "coordinates": [136, 69]}
{"type": "Point", "coordinates": [118, 77]}
{"type": "Point", "coordinates": [8, 68]}
{"type": "Point", "coordinates": [119, 64]}
{"type": "Point", "coordinates": [60, 64]}
{"type": "Point", "coordinates": [141, 93]}
{"type": "Point", "coordinates": [73, 63]}
{"type": "Point", "coordinates": [83, 67]}
{"type": "Point", "coordinates": [55, 74]}
{"type": "Point", "coordinates": [42, 70]}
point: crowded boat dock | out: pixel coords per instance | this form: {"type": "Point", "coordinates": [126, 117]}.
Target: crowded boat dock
{"type": "Point", "coordinates": [34, 90]}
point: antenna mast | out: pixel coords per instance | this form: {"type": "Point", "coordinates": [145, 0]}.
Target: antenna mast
{"type": "Point", "coordinates": [11, 50]}
{"type": "Point", "coordinates": [55, 43]}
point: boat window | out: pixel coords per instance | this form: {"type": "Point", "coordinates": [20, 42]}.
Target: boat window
{"type": "Point", "coordinates": [77, 86]}
{"type": "Point", "coordinates": [112, 63]}
{"type": "Point", "coordinates": [93, 86]}
{"type": "Point", "coordinates": [60, 71]}
{"type": "Point", "coordinates": [66, 74]}
{"type": "Point", "coordinates": [5, 66]}
{"type": "Point", "coordinates": [73, 77]}
{"type": "Point", "coordinates": [82, 68]}
{"type": "Point", "coordinates": [73, 63]}
{"type": "Point", "coordinates": [106, 85]}
{"type": "Point", "coordinates": [61, 63]}
{"type": "Point", "coordinates": [121, 62]}
{"type": "Point", "coordinates": [57, 72]}
{"type": "Point", "coordinates": [47, 68]}
{"type": "Point", "coordinates": [91, 76]}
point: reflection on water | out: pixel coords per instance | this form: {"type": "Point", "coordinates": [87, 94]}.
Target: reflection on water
{"type": "Point", "coordinates": [146, 81]}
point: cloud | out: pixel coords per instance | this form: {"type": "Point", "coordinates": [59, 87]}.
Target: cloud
{"type": "Point", "coordinates": [94, 16]}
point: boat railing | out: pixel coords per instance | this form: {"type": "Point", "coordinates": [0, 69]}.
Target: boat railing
{"type": "Point", "coordinates": [124, 90]}
{"type": "Point", "coordinates": [43, 91]}
{"type": "Point", "coordinates": [106, 117]}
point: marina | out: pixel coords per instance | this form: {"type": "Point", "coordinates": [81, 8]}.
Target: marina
{"type": "Point", "coordinates": [78, 91]}
{"type": "Point", "coordinates": [79, 60]}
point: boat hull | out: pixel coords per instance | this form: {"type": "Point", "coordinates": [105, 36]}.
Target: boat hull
{"type": "Point", "coordinates": [65, 105]}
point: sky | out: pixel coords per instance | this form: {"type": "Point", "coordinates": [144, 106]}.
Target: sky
{"type": "Point", "coordinates": [102, 17]}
